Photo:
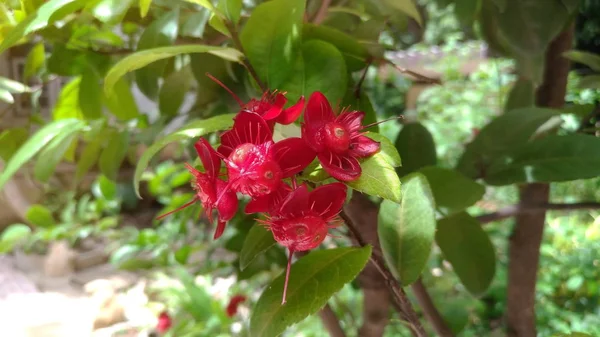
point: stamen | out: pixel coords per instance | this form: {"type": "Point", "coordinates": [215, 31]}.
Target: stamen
{"type": "Point", "coordinates": [226, 88]}
{"type": "Point", "coordinates": [383, 121]}
{"type": "Point", "coordinates": [287, 276]}
{"type": "Point", "coordinates": [177, 209]}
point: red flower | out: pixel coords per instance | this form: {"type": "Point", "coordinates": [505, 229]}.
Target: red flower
{"type": "Point", "coordinates": [211, 191]}
{"type": "Point", "coordinates": [164, 322]}
{"type": "Point", "coordinates": [302, 220]}
{"type": "Point", "coordinates": [234, 303]}
{"type": "Point", "coordinates": [256, 165]}
{"type": "Point", "coordinates": [337, 141]}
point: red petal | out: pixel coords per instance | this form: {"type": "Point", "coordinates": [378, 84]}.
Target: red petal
{"type": "Point", "coordinates": [342, 167]}
{"type": "Point", "coordinates": [363, 146]}
{"type": "Point", "coordinates": [275, 108]}
{"type": "Point", "coordinates": [293, 155]}
{"type": "Point", "coordinates": [289, 115]}
{"type": "Point", "coordinates": [318, 110]}
{"type": "Point", "coordinates": [312, 137]}
{"type": "Point", "coordinates": [327, 200]}
{"type": "Point", "coordinates": [258, 205]}
{"type": "Point", "coordinates": [209, 157]}
{"type": "Point", "coordinates": [295, 203]}
{"type": "Point", "coordinates": [248, 127]}
{"type": "Point", "coordinates": [228, 204]}
{"type": "Point", "coordinates": [352, 120]}
{"type": "Point", "coordinates": [220, 229]}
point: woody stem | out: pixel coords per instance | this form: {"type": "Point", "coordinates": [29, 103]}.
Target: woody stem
{"type": "Point", "coordinates": [238, 44]}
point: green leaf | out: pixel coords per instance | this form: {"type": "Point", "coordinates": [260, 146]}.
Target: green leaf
{"type": "Point", "coordinates": [111, 11]}
{"type": "Point", "coordinates": [589, 59]}
{"type": "Point", "coordinates": [521, 95]}
{"type": "Point", "coordinates": [355, 54]}
{"type": "Point", "coordinates": [50, 157]}
{"type": "Point", "coordinates": [113, 154]}
{"type": "Point", "coordinates": [204, 3]}
{"type": "Point", "coordinates": [35, 62]}
{"type": "Point", "coordinates": [313, 280]}
{"type": "Point", "coordinates": [452, 191]}
{"type": "Point", "coordinates": [107, 188]}
{"type": "Point", "coordinates": [13, 86]}
{"type": "Point", "coordinates": [216, 22]}
{"type": "Point", "coordinates": [468, 249]}
{"type": "Point", "coordinates": [172, 92]}
{"type": "Point", "coordinates": [320, 67]}
{"type": "Point", "coordinates": [144, 7]}
{"type": "Point", "coordinates": [378, 178]}
{"type": "Point", "coordinates": [90, 94]}
{"type": "Point", "coordinates": [590, 81]}
{"type": "Point", "coordinates": [552, 158]}
{"type": "Point", "coordinates": [11, 140]}
{"type": "Point", "coordinates": [6, 96]}
{"type": "Point", "coordinates": [231, 9]}
{"type": "Point", "coordinates": [466, 10]}
{"type": "Point", "coordinates": [142, 58]}
{"type": "Point", "coordinates": [416, 147]}
{"type": "Point", "coordinates": [12, 235]}
{"type": "Point", "coordinates": [191, 130]}
{"type": "Point", "coordinates": [88, 158]}
{"type": "Point", "coordinates": [70, 62]}
{"type": "Point", "coordinates": [182, 254]}
{"type": "Point", "coordinates": [271, 38]}
{"type": "Point", "coordinates": [40, 216]}
{"type": "Point", "coordinates": [161, 32]}
{"type": "Point", "coordinates": [361, 103]}
{"type": "Point", "coordinates": [408, 7]}
{"type": "Point", "coordinates": [258, 240]}
{"type": "Point", "coordinates": [35, 144]}
{"type": "Point", "coordinates": [388, 150]}
{"type": "Point", "coordinates": [407, 230]}
{"type": "Point", "coordinates": [506, 132]}
{"type": "Point", "coordinates": [120, 101]}
{"type": "Point", "coordinates": [32, 23]}
{"type": "Point", "coordinates": [67, 105]}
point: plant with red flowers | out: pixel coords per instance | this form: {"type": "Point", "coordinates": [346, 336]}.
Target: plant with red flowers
{"type": "Point", "coordinates": [233, 305]}
{"type": "Point", "coordinates": [164, 322]}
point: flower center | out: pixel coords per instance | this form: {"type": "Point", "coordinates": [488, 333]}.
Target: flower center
{"type": "Point", "coordinates": [253, 170]}
{"type": "Point", "coordinates": [302, 233]}
{"type": "Point", "coordinates": [337, 138]}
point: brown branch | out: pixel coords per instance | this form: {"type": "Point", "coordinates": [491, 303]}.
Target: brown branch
{"type": "Point", "coordinates": [321, 14]}
{"type": "Point", "coordinates": [421, 77]}
{"type": "Point", "coordinates": [526, 238]}
{"type": "Point", "coordinates": [331, 322]}
{"type": "Point", "coordinates": [430, 311]}
{"type": "Point", "coordinates": [514, 210]}
{"type": "Point", "coordinates": [399, 299]}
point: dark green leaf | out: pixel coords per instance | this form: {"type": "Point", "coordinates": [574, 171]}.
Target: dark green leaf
{"type": "Point", "coordinates": [320, 67]}
{"type": "Point", "coordinates": [191, 130]}
{"type": "Point", "coordinates": [120, 101]}
{"type": "Point", "coordinates": [313, 280]}
{"type": "Point", "coordinates": [408, 7]}
{"type": "Point", "coordinates": [459, 236]}
{"type": "Point", "coordinates": [35, 144]}
{"type": "Point", "coordinates": [161, 32]}
{"type": "Point", "coordinates": [355, 54]}
{"type": "Point", "coordinates": [590, 81]}
{"type": "Point", "coordinates": [50, 156]}
{"type": "Point", "coordinates": [416, 148]}
{"type": "Point", "coordinates": [407, 230]}
{"type": "Point", "coordinates": [388, 150]}
{"type": "Point", "coordinates": [271, 38]}
{"type": "Point", "coordinates": [142, 58]}
{"type": "Point", "coordinates": [10, 141]}
{"type": "Point", "coordinates": [12, 235]}
{"type": "Point", "coordinates": [69, 62]}
{"type": "Point", "coordinates": [88, 158]}
{"type": "Point", "coordinates": [173, 90]}
{"type": "Point", "coordinates": [521, 95]}
{"type": "Point", "coordinates": [90, 94]}
{"type": "Point", "coordinates": [466, 10]}
{"type": "Point", "coordinates": [208, 90]}
{"type": "Point", "coordinates": [506, 132]}
{"type": "Point", "coordinates": [113, 155]}
{"type": "Point", "coordinates": [40, 216]}
{"type": "Point", "coordinates": [378, 178]}
{"type": "Point", "coordinates": [589, 59]}
{"type": "Point", "coordinates": [552, 158]}
{"type": "Point", "coordinates": [258, 240]}
{"type": "Point", "coordinates": [452, 191]}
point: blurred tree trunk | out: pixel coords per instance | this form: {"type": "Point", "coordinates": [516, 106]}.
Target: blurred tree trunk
{"type": "Point", "coordinates": [526, 238]}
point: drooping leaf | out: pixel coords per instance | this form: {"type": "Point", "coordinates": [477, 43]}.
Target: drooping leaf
{"type": "Point", "coordinates": [35, 144]}
{"type": "Point", "coordinates": [6, 96]}
{"type": "Point", "coordinates": [521, 95]}
{"type": "Point", "coordinates": [159, 33]}
{"type": "Point", "coordinates": [51, 155]}
{"type": "Point", "coordinates": [452, 191]}
{"type": "Point", "coordinates": [90, 94]}
{"type": "Point", "coordinates": [416, 148]}
{"type": "Point", "coordinates": [387, 149]}
{"type": "Point", "coordinates": [40, 216]}
{"type": "Point", "coordinates": [12, 235]}
{"type": "Point", "coordinates": [505, 132]}
{"type": "Point", "coordinates": [407, 230]}
{"type": "Point", "coordinates": [114, 153]}
{"type": "Point", "coordinates": [589, 59]}
{"type": "Point", "coordinates": [320, 67]}
{"type": "Point", "coordinates": [13, 86]}
{"type": "Point", "coordinates": [257, 241]}
{"type": "Point", "coordinates": [321, 274]}
{"type": "Point", "coordinates": [271, 38]}
{"type": "Point", "coordinates": [552, 158]}
{"type": "Point", "coordinates": [120, 101]}
{"type": "Point", "coordinates": [142, 58]}
{"type": "Point", "coordinates": [193, 129]}
{"type": "Point", "coordinates": [355, 54]}
{"type": "Point", "coordinates": [89, 157]}
{"type": "Point", "coordinates": [378, 178]}
{"type": "Point", "coordinates": [173, 91]}
{"type": "Point", "coordinates": [459, 236]}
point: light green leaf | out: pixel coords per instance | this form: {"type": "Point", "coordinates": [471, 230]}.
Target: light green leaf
{"type": "Point", "coordinates": [13, 86]}
{"type": "Point", "coordinates": [35, 144]}
{"type": "Point", "coordinates": [469, 250]}
{"type": "Point", "coordinates": [378, 178]}
{"type": "Point", "coordinates": [107, 188]}
{"type": "Point", "coordinates": [258, 240]}
{"type": "Point", "coordinates": [120, 100]}
{"type": "Point", "coordinates": [407, 230]}
{"type": "Point", "coordinates": [50, 156]}
{"type": "Point", "coordinates": [36, 60]}
{"type": "Point", "coordinates": [193, 129]}
{"type": "Point", "coordinates": [320, 67]}
{"type": "Point", "coordinates": [589, 59]}
{"type": "Point", "coordinates": [144, 7]}
{"type": "Point", "coordinates": [313, 280]}
{"type": "Point", "coordinates": [204, 3]}
{"type": "Point", "coordinates": [406, 6]}
{"type": "Point", "coordinates": [416, 147]}
{"type": "Point", "coordinates": [67, 105]}
{"type": "Point", "coordinates": [552, 158]}
{"type": "Point", "coordinates": [88, 158]}
{"type": "Point", "coordinates": [159, 33]}
{"type": "Point", "coordinates": [6, 96]}
{"type": "Point", "coordinates": [271, 38]}
{"type": "Point", "coordinates": [12, 235]}
{"type": "Point", "coordinates": [142, 58]}
{"type": "Point", "coordinates": [452, 191]}
{"type": "Point", "coordinates": [355, 54]}
{"type": "Point", "coordinates": [173, 90]}
{"type": "Point", "coordinates": [114, 153]}
{"type": "Point", "coordinates": [111, 11]}
{"type": "Point", "coordinates": [90, 94]}
{"type": "Point", "coordinates": [40, 216]}
{"type": "Point", "coordinates": [230, 9]}
{"type": "Point", "coordinates": [506, 132]}
{"type": "Point", "coordinates": [216, 22]}
{"type": "Point", "coordinates": [388, 150]}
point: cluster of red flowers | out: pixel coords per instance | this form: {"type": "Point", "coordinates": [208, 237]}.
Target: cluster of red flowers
{"type": "Point", "coordinates": [266, 171]}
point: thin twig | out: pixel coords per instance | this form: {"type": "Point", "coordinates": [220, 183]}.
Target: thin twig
{"type": "Point", "coordinates": [421, 77]}
{"type": "Point", "coordinates": [513, 210]}
{"type": "Point", "coordinates": [238, 44]}
{"type": "Point", "coordinates": [362, 79]}
{"type": "Point", "coordinates": [331, 322]}
{"type": "Point", "coordinates": [321, 14]}
{"type": "Point", "coordinates": [399, 298]}
{"type": "Point", "coordinates": [433, 315]}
